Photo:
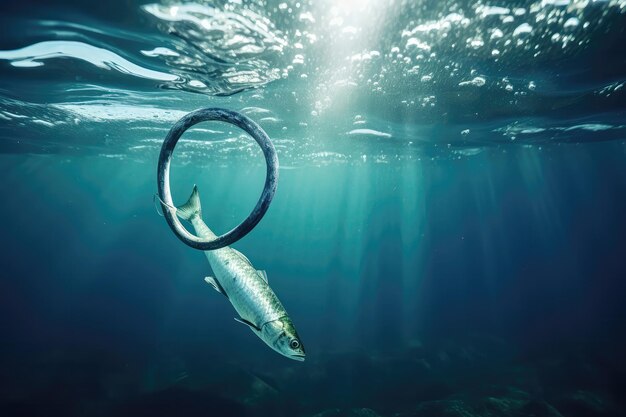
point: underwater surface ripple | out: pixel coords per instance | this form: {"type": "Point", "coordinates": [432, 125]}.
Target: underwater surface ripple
{"type": "Point", "coordinates": [396, 81]}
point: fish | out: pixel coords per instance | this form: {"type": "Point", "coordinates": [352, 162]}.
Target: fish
{"type": "Point", "coordinates": [246, 288]}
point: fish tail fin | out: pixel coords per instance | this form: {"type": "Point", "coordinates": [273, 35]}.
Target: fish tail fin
{"type": "Point", "coordinates": [191, 208]}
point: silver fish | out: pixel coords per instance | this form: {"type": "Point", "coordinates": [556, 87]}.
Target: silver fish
{"type": "Point", "coordinates": [246, 288]}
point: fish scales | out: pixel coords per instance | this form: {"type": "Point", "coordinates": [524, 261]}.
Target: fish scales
{"type": "Point", "coordinates": [246, 288]}
{"type": "Point", "coordinates": [249, 293]}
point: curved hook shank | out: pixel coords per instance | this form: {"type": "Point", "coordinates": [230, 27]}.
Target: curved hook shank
{"type": "Point", "coordinates": [163, 176]}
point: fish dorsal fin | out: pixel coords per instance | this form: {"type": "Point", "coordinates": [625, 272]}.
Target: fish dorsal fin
{"type": "Point", "coordinates": [262, 274]}
{"type": "Point", "coordinates": [215, 284]}
{"type": "Point", "coordinates": [247, 323]}
{"type": "Point", "coordinates": [243, 256]}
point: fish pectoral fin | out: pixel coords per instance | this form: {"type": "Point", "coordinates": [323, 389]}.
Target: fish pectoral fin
{"type": "Point", "coordinates": [247, 323]}
{"type": "Point", "coordinates": [216, 285]}
{"type": "Point", "coordinates": [263, 275]}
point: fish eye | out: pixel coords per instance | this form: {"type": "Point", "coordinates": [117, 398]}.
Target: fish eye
{"type": "Point", "coordinates": [294, 344]}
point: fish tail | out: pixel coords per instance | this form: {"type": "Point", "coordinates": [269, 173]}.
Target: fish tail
{"type": "Point", "coordinates": [191, 208]}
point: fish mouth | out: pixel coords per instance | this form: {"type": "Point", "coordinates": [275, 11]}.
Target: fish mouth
{"type": "Point", "coordinates": [297, 357]}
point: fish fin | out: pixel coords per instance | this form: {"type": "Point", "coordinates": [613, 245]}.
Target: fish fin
{"type": "Point", "coordinates": [243, 256]}
{"type": "Point", "coordinates": [247, 323]}
{"type": "Point", "coordinates": [192, 207]}
{"type": "Point", "coordinates": [215, 284]}
{"type": "Point", "coordinates": [262, 274]}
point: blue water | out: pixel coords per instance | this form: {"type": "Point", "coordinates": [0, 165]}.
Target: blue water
{"type": "Point", "coordinates": [448, 233]}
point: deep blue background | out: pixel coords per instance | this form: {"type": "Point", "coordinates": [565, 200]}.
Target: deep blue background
{"type": "Point", "coordinates": [511, 258]}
